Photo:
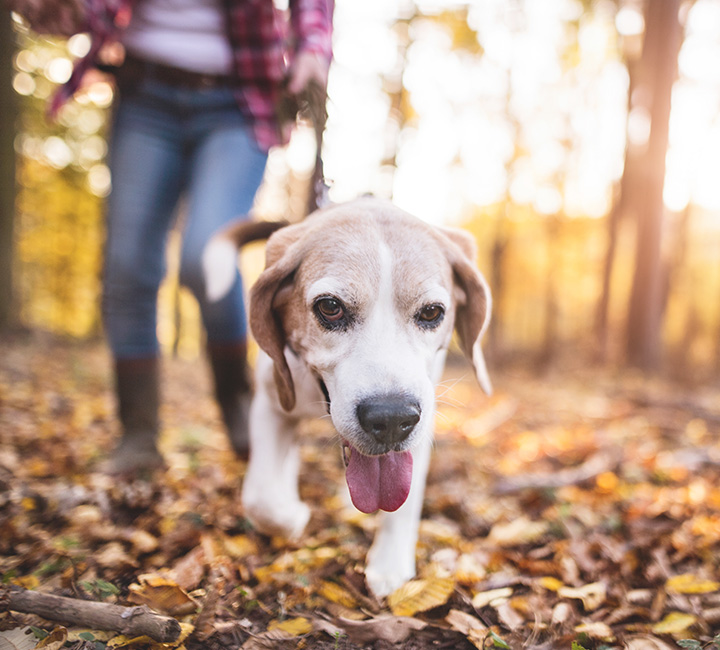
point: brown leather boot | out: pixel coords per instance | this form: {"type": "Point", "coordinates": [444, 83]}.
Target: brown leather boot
{"type": "Point", "coordinates": [231, 379]}
{"type": "Point", "coordinates": [137, 388]}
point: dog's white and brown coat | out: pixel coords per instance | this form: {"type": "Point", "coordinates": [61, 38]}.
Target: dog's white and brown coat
{"type": "Point", "coordinates": [354, 314]}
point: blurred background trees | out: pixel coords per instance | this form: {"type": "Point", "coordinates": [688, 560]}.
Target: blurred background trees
{"type": "Point", "coordinates": [578, 141]}
{"type": "Point", "coordinates": [7, 166]}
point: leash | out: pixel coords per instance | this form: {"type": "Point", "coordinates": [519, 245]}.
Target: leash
{"type": "Point", "coordinates": [310, 105]}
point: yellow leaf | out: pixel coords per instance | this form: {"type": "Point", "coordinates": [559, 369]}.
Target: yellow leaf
{"type": "Point", "coordinates": [26, 582]}
{"type": "Point", "coordinates": [162, 595]}
{"type": "Point", "coordinates": [550, 583]}
{"type": "Point", "coordinates": [293, 626]}
{"type": "Point", "coordinates": [122, 641]}
{"type": "Point", "coordinates": [688, 583]}
{"type": "Point", "coordinates": [336, 594]}
{"type": "Point", "coordinates": [420, 595]}
{"type": "Point", "coordinates": [674, 623]}
{"type": "Point", "coordinates": [596, 630]}
{"type": "Point", "coordinates": [28, 503]}
{"type": "Point", "coordinates": [592, 595]}
{"type": "Point", "coordinates": [239, 546]}
{"type": "Point", "coordinates": [98, 635]}
{"type": "Point", "coordinates": [491, 597]}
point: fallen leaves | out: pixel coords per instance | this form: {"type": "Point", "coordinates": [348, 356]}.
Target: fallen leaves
{"type": "Point", "coordinates": [420, 595]}
{"type": "Point", "coordinates": [162, 595]}
{"type": "Point", "coordinates": [599, 535]}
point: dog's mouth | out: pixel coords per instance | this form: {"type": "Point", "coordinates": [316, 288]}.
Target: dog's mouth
{"type": "Point", "coordinates": [377, 482]}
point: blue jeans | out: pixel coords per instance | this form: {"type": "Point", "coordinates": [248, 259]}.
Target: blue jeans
{"type": "Point", "coordinates": [168, 143]}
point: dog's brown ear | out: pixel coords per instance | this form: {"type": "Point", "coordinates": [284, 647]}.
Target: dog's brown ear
{"type": "Point", "coordinates": [282, 257]}
{"type": "Point", "coordinates": [472, 315]}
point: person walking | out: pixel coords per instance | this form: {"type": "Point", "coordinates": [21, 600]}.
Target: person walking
{"type": "Point", "coordinates": [195, 114]}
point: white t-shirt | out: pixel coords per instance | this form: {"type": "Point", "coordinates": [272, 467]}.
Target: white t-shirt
{"type": "Point", "coordinates": [188, 34]}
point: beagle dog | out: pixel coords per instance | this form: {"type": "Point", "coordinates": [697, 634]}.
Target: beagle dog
{"type": "Point", "coordinates": [354, 314]}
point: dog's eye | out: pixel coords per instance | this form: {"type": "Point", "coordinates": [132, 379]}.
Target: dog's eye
{"type": "Point", "coordinates": [430, 316]}
{"type": "Point", "coordinates": [330, 311]}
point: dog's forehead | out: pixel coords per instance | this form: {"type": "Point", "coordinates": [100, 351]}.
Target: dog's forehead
{"type": "Point", "coordinates": [358, 248]}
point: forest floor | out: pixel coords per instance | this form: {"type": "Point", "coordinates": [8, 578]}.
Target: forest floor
{"type": "Point", "coordinates": [578, 509]}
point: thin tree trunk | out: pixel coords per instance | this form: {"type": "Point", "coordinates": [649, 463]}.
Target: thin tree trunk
{"type": "Point", "coordinates": [8, 120]}
{"type": "Point", "coordinates": [662, 43]}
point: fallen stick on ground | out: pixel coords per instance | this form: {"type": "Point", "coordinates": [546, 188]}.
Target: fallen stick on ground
{"type": "Point", "coordinates": [604, 461]}
{"type": "Point", "coordinates": [131, 621]}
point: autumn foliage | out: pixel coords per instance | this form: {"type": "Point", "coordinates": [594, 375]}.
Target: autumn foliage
{"type": "Point", "coordinates": [573, 509]}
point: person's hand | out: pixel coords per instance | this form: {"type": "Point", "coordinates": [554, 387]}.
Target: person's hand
{"type": "Point", "coordinates": [62, 18]}
{"type": "Point", "coordinates": [308, 66]}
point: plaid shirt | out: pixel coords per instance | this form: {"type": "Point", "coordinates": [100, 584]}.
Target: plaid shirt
{"type": "Point", "coordinates": [260, 42]}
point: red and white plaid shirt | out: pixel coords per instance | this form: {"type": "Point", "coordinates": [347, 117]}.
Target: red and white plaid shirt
{"type": "Point", "coordinates": [260, 41]}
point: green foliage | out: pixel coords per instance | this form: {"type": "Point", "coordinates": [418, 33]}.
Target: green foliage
{"type": "Point", "coordinates": [39, 633]}
{"type": "Point", "coordinates": [497, 642]}
{"type": "Point", "coordinates": [577, 646]}
{"type": "Point", "coordinates": [100, 589]}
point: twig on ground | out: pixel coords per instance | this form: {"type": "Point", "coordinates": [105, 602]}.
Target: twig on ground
{"type": "Point", "coordinates": [132, 621]}
{"type": "Point", "coordinates": [604, 461]}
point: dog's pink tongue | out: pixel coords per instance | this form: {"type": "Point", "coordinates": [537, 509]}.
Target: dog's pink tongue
{"type": "Point", "coordinates": [379, 482]}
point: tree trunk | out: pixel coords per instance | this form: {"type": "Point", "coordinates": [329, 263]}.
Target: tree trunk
{"type": "Point", "coordinates": [625, 201]}
{"type": "Point", "coordinates": [660, 52]}
{"type": "Point", "coordinates": [8, 115]}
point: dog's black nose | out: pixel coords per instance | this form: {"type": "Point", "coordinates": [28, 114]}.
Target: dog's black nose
{"type": "Point", "coordinates": [388, 418]}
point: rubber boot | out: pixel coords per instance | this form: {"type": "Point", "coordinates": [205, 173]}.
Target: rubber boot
{"type": "Point", "coordinates": [233, 392]}
{"type": "Point", "coordinates": [137, 387]}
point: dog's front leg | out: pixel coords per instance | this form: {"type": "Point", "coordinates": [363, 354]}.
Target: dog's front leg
{"type": "Point", "coordinates": [270, 491]}
{"type": "Point", "coordinates": [391, 558]}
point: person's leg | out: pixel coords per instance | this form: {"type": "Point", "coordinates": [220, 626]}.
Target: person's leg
{"type": "Point", "coordinates": [227, 169]}
{"type": "Point", "coordinates": [146, 170]}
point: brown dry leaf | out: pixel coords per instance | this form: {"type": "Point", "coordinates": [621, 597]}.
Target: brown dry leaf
{"type": "Point", "coordinates": [561, 614]}
{"type": "Point", "coordinates": [509, 616]}
{"type": "Point", "coordinates": [473, 628]}
{"type": "Point", "coordinates": [162, 595]}
{"type": "Point", "coordinates": [519, 531]}
{"type": "Point", "coordinates": [675, 623]}
{"type": "Point", "coordinates": [689, 583]}
{"type": "Point", "coordinates": [267, 640]}
{"type": "Point", "coordinates": [189, 570]}
{"type": "Point", "coordinates": [646, 643]}
{"type": "Point", "coordinates": [142, 541]}
{"type": "Point", "coordinates": [292, 626]}
{"type": "Point", "coordinates": [469, 569]}
{"type": "Point", "coordinates": [205, 620]}
{"type": "Point", "coordinates": [420, 595]}
{"type": "Point", "coordinates": [19, 638]}
{"type": "Point", "coordinates": [394, 629]}
{"type": "Point", "coordinates": [592, 595]}
{"type": "Point", "coordinates": [491, 597]}
{"type": "Point", "coordinates": [55, 640]}
{"type": "Point", "coordinates": [113, 556]}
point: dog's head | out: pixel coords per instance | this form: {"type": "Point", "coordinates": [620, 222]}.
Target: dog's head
{"type": "Point", "coordinates": [368, 296]}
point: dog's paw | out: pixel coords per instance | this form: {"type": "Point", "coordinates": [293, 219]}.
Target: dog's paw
{"type": "Point", "coordinates": [287, 520]}
{"type": "Point", "coordinates": [386, 572]}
